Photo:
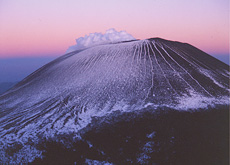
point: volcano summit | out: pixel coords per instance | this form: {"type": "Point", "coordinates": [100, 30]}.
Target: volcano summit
{"type": "Point", "coordinates": [106, 81]}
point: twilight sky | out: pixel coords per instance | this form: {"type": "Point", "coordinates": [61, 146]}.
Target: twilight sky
{"type": "Point", "coordinates": [32, 28]}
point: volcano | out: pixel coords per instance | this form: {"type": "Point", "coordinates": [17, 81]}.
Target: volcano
{"type": "Point", "coordinates": [73, 97]}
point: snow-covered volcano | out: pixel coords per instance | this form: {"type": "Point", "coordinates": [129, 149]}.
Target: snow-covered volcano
{"type": "Point", "coordinates": [64, 95]}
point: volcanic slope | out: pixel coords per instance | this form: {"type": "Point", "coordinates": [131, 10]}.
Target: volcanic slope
{"type": "Point", "coordinates": [63, 96]}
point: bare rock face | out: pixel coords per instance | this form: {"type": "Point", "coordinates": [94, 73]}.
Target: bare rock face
{"type": "Point", "coordinates": [63, 96]}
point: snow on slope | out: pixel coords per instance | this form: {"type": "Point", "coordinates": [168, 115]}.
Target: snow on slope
{"type": "Point", "coordinates": [64, 95]}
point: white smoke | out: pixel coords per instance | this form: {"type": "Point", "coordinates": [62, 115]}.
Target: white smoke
{"type": "Point", "coordinates": [93, 39]}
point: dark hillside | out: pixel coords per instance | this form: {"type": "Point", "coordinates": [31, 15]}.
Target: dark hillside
{"type": "Point", "coordinates": [198, 137]}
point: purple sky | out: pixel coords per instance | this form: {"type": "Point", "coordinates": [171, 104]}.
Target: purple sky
{"type": "Point", "coordinates": [48, 27]}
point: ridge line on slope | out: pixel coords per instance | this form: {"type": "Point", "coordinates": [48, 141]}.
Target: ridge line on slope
{"type": "Point", "coordinates": [174, 69]}
{"type": "Point", "coordinates": [188, 73]}
{"type": "Point", "coordinates": [152, 73]}
{"type": "Point", "coordinates": [160, 67]}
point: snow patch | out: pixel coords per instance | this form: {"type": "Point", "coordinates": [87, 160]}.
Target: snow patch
{"type": "Point", "coordinates": [196, 101]}
{"type": "Point", "coordinates": [93, 39]}
{"type": "Point", "coordinates": [96, 162]}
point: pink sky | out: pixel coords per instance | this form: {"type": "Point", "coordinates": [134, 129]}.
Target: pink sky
{"type": "Point", "coordinates": [49, 27]}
